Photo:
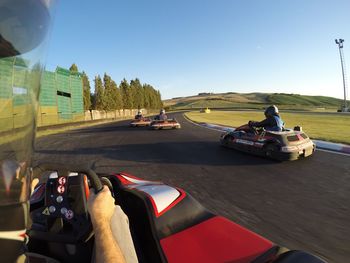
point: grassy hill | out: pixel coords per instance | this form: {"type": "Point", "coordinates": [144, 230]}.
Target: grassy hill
{"type": "Point", "coordinates": [254, 101]}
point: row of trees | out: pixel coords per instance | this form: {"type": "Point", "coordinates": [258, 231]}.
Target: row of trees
{"type": "Point", "coordinates": [110, 96]}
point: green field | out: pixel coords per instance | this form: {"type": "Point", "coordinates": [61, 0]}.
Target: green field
{"type": "Point", "coordinates": [322, 126]}
{"type": "Point", "coordinates": [255, 101]}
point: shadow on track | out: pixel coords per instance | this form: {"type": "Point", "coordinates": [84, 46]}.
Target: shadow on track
{"type": "Point", "coordinates": [114, 128]}
{"type": "Point", "coordinates": [195, 153]}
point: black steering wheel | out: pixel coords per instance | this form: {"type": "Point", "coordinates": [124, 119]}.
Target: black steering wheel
{"type": "Point", "coordinates": [64, 217]}
{"type": "Point", "coordinates": [256, 130]}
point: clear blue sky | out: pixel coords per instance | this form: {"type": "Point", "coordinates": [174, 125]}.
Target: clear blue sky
{"type": "Point", "coordinates": [184, 47]}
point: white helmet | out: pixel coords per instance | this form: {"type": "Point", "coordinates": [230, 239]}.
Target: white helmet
{"type": "Point", "coordinates": [162, 111]}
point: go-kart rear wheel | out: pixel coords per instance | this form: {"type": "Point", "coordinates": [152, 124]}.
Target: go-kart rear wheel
{"type": "Point", "coordinates": [270, 149]}
{"type": "Point", "coordinates": [225, 141]}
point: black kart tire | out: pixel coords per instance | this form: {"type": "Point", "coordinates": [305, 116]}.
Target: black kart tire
{"type": "Point", "coordinates": [270, 149]}
{"type": "Point", "coordinates": [225, 141]}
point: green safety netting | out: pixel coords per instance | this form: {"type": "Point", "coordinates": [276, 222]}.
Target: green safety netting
{"type": "Point", "coordinates": [77, 94]}
{"type": "Point", "coordinates": [60, 88]}
{"type": "Point", "coordinates": [6, 69]}
{"type": "Point", "coordinates": [19, 89]}
{"type": "Point", "coordinates": [64, 107]}
{"type": "Point", "coordinates": [48, 90]}
{"type": "Point", "coordinates": [62, 81]}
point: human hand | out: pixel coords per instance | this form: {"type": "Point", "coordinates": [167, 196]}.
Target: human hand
{"type": "Point", "coordinates": [101, 207]}
{"type": "Point", "coordinates": [34, 183]}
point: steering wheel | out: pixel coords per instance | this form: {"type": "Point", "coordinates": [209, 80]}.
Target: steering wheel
{"type": "Point", "coordinates": [256, 130]}
{"type": "Point", "coordinates": [64, 217]}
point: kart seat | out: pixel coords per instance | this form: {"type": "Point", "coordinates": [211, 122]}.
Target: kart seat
{"type": "Point", "coordinates": [148, 230]}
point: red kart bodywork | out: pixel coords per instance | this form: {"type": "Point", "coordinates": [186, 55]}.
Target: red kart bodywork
{"type": "Point", "coordinates": [179, 229]}
{"type": "Point", "coordinates": [168, 225]}
{"type": "Point", "coordinates": [141, 122]}
{"type": "Point", "coordinates": [213, 241]}
{"type": "Point", "coordinates": [208, 238]}
{"type": "Point", "coordinates": [165, 124]}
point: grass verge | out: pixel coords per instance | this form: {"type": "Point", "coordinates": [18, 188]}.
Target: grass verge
{"type": "Point", "coordinates": [327, 127]}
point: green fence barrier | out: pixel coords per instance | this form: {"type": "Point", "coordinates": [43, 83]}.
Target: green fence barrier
{"type": "Point", "coordinates": [48, 90]}
{"type": "Point", "coordinates": [77, 94]}
{"type": "Point", "coordinates": [61, 94]}
{"type": "Point", "coordinates": [6, 69]}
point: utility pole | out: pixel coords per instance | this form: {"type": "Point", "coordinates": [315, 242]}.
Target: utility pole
{"type": "Point", "coordinates": [340, 42]}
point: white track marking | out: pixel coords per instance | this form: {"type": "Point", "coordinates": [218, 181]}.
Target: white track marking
{"type": "Point", "coordinates": [329, 151]}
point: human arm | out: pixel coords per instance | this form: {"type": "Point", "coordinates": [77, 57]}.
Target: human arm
{"type": "Point", "coordinates": [263, 124]}
{"type": "Point", "coordinates": [101, 208]}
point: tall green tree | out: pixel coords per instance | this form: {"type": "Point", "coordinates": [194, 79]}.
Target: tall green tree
{"type": "Point", "coordinates": [99, 94]}
{"type": "Point", "coordinates": [117, 96]}
{"type": "Point", "coordinates": [133, 95]}
{"type": "Point", "coordinates": [159, 99]}
{"type": "Point", "coordinates": [86, 92]}
{"type": "Point", "coordinates": [93, 100]}
{"type": "Point", "coordinates": [113, 98]}
{"type": "Point", "coordinates": [146, 96]}
{"type": "Point", "coordinates": [74, 68]}
{"type": "Point", "coordinates": [138, 93]}
{"type": "Point", "coordinates": [126, 94]}
{"type": "Point", "coordinates": [109, 102]}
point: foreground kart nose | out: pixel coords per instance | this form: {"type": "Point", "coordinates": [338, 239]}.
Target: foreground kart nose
{"type": "Point", "coordinates": [182, 230]}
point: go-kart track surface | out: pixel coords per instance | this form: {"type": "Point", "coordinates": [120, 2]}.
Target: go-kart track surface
{"type": "Point", "coordinates": [303, 204]}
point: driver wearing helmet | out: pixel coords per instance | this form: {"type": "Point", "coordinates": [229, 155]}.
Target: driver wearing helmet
{"type": "Point", "coordinates": [31, 19]}
{"type": "Point", "coordinates": [162, 116]}
{"type": "Point", "coordinates": [139, 115]}
{"type": "Point", "coordinates": [273, 121]}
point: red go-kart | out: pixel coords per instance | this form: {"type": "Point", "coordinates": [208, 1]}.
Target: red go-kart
{"type": "Point", "coordinates": [166, 223]}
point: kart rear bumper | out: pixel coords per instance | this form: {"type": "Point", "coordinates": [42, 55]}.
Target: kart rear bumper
{"type": "Point", "coordinates": [294, 155]}
{"type": "Point", "coordinates": [165, 127]}
{"type": "Point", "coordinates": [140, 124]}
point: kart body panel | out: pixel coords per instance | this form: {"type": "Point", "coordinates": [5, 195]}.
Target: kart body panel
{"type": "Point", "coordinates": [141, 122]}
{"type": "Point", "coordinates": [181, 229]}
{"type": "Point", "coordinates": [284, 145]}
{"type": "Point", "coordinates": [165, 124]}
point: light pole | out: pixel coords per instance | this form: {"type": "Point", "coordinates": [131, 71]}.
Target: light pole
{"type": "Point", "coordinates": [340, 42]}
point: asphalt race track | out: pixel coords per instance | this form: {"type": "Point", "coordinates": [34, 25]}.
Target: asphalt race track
{"type": "Point", "coordinates": [301, 205]}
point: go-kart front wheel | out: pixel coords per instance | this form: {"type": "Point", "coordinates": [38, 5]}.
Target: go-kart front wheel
{"type": "Point", "coordinates": [226, 141]}
{"type": "Point", "coordinates": [270, 150]}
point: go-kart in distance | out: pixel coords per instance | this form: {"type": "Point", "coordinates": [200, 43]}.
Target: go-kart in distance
{"type": "Point", "coordinates": [160, 122]}
{"type": "Point", "coordinates": [289, 144]}
{"type": "Point", "coordinates": [167, 224]}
